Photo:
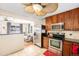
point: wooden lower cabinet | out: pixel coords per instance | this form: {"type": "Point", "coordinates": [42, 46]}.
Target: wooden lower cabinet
{"type": "Point", "coordinates": [67, 48]}
{"type": "Point", "coordinates": [70, 48]}
{"type": "Point", "coordinates": [45, 42]}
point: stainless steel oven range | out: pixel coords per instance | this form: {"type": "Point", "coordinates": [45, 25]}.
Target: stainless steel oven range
{"type": "Point", "coordinates": [55, 43]}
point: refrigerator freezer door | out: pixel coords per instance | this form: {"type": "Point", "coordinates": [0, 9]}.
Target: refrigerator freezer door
{"type": "Point", "coordinates": [37, 36]}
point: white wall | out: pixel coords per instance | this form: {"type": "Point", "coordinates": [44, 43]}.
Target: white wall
{"type": "Point", "coordinates": [22, 18]}
{"type": "Point", "coordinates": [11, 43]}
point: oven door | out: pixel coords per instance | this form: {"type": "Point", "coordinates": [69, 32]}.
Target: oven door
{"type": "Point", "coordinates": [55, 44]}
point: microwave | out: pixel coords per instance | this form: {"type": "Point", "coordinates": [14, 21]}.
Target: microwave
{"type": "Point", "coordinates": [58, 26]}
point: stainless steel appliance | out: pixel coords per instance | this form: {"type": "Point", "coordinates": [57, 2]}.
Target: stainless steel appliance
{"type": "Point", "coordinates": [55, 42]}
{"type": "Point", "coordinates": [37, 36]}
{"type": "Point", "coordinates": [39, 32]}
{"type": "Point", "coordinates": [58, 26]}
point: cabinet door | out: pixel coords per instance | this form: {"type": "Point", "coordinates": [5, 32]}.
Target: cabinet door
{"type": "Point", "coordinates": [68, 21]}
{"type": "Point", "coordinates": [72, 19]}
{"type": "Point", "coordinates": [61, 17]}
{"type": "Point", "coordinates": [54, 19]}
{"type": "Point", "coordinates": [67, 48]}
{"type": "Point", "coordinates": [75, 18]}
{"type": "Point", "coordinates": [45, 42]}
{"type": "Point", "coordinates": [48, 23]}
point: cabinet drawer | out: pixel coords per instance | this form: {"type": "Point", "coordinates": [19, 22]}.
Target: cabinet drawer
{"type": "Point", "coordinates": [66, 42]}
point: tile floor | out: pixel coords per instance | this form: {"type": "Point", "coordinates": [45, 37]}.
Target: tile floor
{"type": "Point", "coordinates": [30, 50]}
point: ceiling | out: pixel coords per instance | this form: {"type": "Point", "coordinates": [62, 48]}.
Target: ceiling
{"type": "Point", "coordinates": [18, 9]}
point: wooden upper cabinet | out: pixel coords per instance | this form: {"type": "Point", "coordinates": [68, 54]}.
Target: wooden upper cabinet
{"type": "Point", "coordinates": [72, 20]}
{"type": "Point", "coordinates": [69, 18]}
{"type": "Point", "coordinates": [68, 21]}
{"type": "Point", "coordinates": [61, 17]}
{"type": "Point", "coordinates": [75, 18]}
{"type": "Point", "coordinates": [54, 19]}
{"type": "Point", "coordinates": [48, 23]}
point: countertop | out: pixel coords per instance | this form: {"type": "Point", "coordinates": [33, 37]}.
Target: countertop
{"type": "Point", "coordinates": [72, 40]}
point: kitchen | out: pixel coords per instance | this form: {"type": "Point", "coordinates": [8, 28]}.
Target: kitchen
{"type": "Point", "coordinates": [55, 34]}
{"type": "Point", "coordinates": [65, 23]}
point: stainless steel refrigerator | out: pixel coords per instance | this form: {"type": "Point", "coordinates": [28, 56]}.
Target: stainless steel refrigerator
{"type": "Point", "coordinates": [39, 32]}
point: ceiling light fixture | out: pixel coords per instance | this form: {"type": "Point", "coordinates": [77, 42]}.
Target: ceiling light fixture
{"type": "Point", "coordinates": [40, 9]}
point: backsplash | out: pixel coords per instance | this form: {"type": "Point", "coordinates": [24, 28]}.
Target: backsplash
{"type": "Point", "coordinates": [68, 34]}
{"type": "Point", "coordinates": [72, 34]}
